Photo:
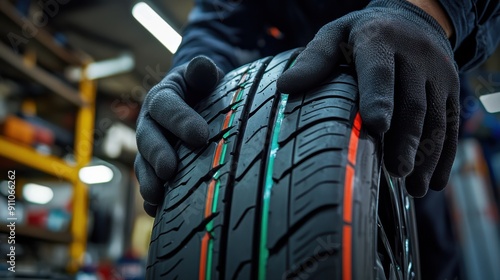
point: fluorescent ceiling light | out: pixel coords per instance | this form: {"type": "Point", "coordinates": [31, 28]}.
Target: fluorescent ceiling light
{"type": "Point", "coordinates": [102, 69]}
{"type": "Point", "coordinates": [96, 174]}
{"type": "Point", "coordinates": [119, 138]}
{"type": "Point", "coordinates": [157, 26]}
{"type": "Point", "coordinates": [491, 102]}
{"type": "Point", "coordinates": [37, 193]}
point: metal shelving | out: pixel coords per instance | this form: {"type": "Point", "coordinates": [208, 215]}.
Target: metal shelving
{"type": "Point", "coordinates": [53, 58]}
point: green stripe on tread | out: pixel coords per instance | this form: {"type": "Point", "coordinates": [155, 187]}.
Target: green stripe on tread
{"type": "Point", "coordinates": [222, 157]}
{"type": "Point", "coordinates": [208, 276]}
{"type": "Point", "coordinates": [268, 185]}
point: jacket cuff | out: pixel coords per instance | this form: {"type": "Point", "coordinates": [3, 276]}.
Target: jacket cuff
{"type": "Point", "coordinates": [463, 18]}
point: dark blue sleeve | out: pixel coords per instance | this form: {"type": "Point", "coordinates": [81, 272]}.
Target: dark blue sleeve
{"type": "Point", "coordinates": [228, 31]}
{"type": "Point", "coordinates": [477, 30]}
{"type": "Point", "coordinates": [223, 30]}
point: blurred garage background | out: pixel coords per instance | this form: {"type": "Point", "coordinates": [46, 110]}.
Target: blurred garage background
{"type": "Point", "coordinates": [73, 74]}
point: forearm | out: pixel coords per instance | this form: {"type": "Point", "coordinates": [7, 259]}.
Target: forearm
{"type": "Point", "coordinates": [433, 8]}
{"type": "Point", "coordinates": [476, 25]}
{"type": "Point", "coordinates": [199, 41]}
{"type": "Point", "coordinates": [224, 32]}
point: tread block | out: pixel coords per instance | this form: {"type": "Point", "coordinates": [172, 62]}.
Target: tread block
{"type": "Point", "coordinates": [321, 137]}
{"type": "Point", "coordinates": [254, 139]}
{"type": "Point", "coordinates": [278, 211]}
{"type": "Point", "coordinates": [336, 88]}
{"type": "Point", "coordinates": [318, 190]}
{"type": "Point", "coordinates": [189, 174]}
{"type": "Point", "coordinates": [325, 109]}
{"type": "Point", "coordinates": [181, 226]}
{"type": "Point", "coordinates": [180, 267]}
{"type": "Point", "coordinates": [314, 236]}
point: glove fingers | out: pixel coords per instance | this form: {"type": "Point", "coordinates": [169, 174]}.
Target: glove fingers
{"type": "Point", "coordinates": [201, 75]}
{"type": "Point", "coordinates": [316, 62]}
{"type": "Point", "coordinates": [150, 186]}
{"type": "Point", "coordinates": [376, 88]}
{"type": "Point", "coordinates": [431, 144]}
{"type": "Point", "coordinates": [172, 112]}
{"type": "Point", "coordinates": [155, 149]}
{"type": "Point", "coordinates": [402, 140]}
{"type": "Point", "coordinates": [442, 173]}
{"type": "Point", "coordinates": [150, 209]}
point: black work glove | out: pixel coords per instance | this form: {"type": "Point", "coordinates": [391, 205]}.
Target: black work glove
{"type": "Point", "coordinates": [408, 85]}
{"type": "Point", "coordinates": [166, 116]}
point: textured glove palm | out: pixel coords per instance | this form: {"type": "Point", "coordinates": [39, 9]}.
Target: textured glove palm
{"type": "Point", "coordinates": [408, 85]}
{"type": "Point", "coordinates": [166, 116]}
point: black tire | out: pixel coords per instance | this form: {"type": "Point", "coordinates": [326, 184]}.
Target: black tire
{"type": "Point", "coordinates": [294, 195]}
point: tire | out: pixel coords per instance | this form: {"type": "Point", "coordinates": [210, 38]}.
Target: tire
{"type": "Point", "coordinates": [286, 188]}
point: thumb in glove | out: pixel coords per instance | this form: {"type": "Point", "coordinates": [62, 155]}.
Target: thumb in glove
{"type": "Point", "coordinates": [166, 117]}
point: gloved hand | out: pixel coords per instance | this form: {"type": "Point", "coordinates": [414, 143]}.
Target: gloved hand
{"type": "Point", "coordinates": [166, 116]}
{"type": "Point", "coordinates": [408, 85]}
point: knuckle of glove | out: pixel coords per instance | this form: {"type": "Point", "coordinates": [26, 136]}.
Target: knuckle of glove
{"type": "Point", "coordinates": [150, 187]}
{"type": "Point", "coordinates": [151, 194]}
{"type": "Point", "coordinates": [155, 152]}
{"type": "Point", "coordinates": [201, 75]}
{"type": "Point", "coordinates": [150, 209]}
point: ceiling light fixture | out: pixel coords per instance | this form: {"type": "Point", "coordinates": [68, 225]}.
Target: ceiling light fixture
{"type": "Point", "coordinates": [104, 68]}
{"type": "Point", "coordinates": [37, 193]}
{"type": "Point", "coordinates": [491, 102]}
{"type": "Point", "coordinates": [157, 26]}
{"type": "Point", "coordinates": [96, 174]}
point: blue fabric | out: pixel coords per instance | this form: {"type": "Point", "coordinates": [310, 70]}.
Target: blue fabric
{"type": "Point", "coordinates": [477, 29]}
{"type": "Point", "coordinates": [234, 32]}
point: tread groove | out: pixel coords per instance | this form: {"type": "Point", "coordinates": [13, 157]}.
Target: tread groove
{"type": "Point", "coordinates": [299, 196]}
{"type": "Point", "coordinates": [293, 166]}
{"type": "Point", "coordinates": [255, 133]}
{"type": "Point", "coordinates": [259, 107]}
{"type": "Point", "coordinates": [256, 159]}
{"type": "Point", "coordinates": [299, 130]}
{"type": "Point", "coordinates": [282, 241]}
{"type": "Point", "coordinates": [242, 217]}
{"type": "Point", "coordinates": [200, 181]}
{"type": "Point", "coordinates": [179, 247]}
{"type": "Point", "coordinates": [171, 269]}
{"type": "Point", "coordinates": [247, 105]}
{"type": "Point", "coordinates": [319, 98]}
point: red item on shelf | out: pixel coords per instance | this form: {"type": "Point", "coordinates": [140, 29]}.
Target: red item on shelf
{"type": "Point", "coordinates": [38, 218]}
{"type": "Point", "coordinates": [25, 132]}
{"type": "Point", "coordinates": [18, 129]}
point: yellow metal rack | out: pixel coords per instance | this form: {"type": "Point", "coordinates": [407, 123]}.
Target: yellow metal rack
{"type": "Point", "coordinates": [83, 98]}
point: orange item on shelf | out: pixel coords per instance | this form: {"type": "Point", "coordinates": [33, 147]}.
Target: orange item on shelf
{"type": "Point", "coordinates": [23, 131]}
{"type": "Point", "coordinates": [18, 129]}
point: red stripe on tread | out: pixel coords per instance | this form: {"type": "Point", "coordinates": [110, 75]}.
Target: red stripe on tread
{"type": "Point", "coordinates": [203, 256]}
{"type": "Point", "coordinates": [206, 237]}
{"type": "Point", "coordinates": [353, 142]}
{"type": "Point", "coordinates": [357, 122]}
{"type": "Point", "coordinates": [211, 188]}
{"type": "Point", "coordinates": [235, 96]}
{"type": "Point", "coordinates": [210, 198]}
{"type": "Point", "coordinates": [348, 192]}
{"type": "Point", "coordinates": [227, 119]}
{"type": "Point", "coordinates": [242, 80]}
{"type": "Point", "coordinates": [348, 199]}
{"type": "Point", "coordinates": [347, 252]}
{"type": "Point", "coordinates": [218, 152]}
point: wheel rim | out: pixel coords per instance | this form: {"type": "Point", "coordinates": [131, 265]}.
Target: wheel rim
{"type": "Point", "coordinates": [397, 244]}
